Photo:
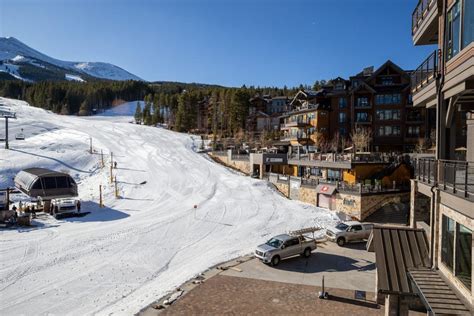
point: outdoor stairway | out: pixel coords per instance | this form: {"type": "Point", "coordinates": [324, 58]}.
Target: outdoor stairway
{"type": "Point", "coordinates": [392, 213]}
{"type": "Point", "coordinates": [437, 294]}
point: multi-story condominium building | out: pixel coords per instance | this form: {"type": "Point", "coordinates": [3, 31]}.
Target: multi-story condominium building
{"type": "Point", "coordinates": [308, 121]}
{"type": "Point", "coordinates": [264, 113]}
{"type": "Point", "coordinates": [379, 101]}
{"type": "Point", "coordinates": [432, 262]}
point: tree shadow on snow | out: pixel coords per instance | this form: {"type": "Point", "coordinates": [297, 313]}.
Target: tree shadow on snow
{"type": "Point", "coordinates": [97, 214]}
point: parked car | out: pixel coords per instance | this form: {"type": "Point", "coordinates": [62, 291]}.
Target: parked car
{"type": "Point", "coordinates": [352, 231]}
{"type": "Point", "coordinates": [64, 206]}
{"type": "Point", "coordinates": [284, 246]}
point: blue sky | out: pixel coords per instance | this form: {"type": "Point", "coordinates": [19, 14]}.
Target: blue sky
{"type": "Point", "coordinates": [228, 42]}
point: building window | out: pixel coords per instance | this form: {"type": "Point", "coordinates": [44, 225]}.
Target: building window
{"type": "Point", "coordinates": [413, 131]}
{"type": "Point", "coordinates": [394, 98]}
{"type": "Point", "coordinates": [342, 117]}
{"type": "Point", "coordinates": [334, 175]}
{"type": "Point", "coordinates": [388, 130]}
{"type": "Point", "coordinates": [456, 250]}
{"type": "Point", "coordinates": [339, 86]}
{"type": "Point", "coordinates": [447, 242]}
{"type": "Point", "coordinates": [363, 101]}
{"type": "Point", "coordinates": [342, 103]}
{"type": "Point", "coordinates": [316, 172]}
{"type": "Point", "coordinates": [463, 255]}
{"type": "Point", "coordinates": [388, 115]}
{"type": "Point", "coordinates": [342, 131]}
{"type": "Point", "coordinates": [386, 81]}
{"type": "Point", "coordinates": [468, 27]}
{"type": "Point", "coordinates": [362, 117]}
{"type": "Point", "coordinates": [454, 30]}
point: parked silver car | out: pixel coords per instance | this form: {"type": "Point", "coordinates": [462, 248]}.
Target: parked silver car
{"type": "Point", "coordinates": [352, 231]}
{"type": "Point", "coordinates": [284, 246]}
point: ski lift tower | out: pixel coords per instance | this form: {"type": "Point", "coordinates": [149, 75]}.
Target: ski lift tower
{"type": "Point", "coordinates": [6, 114]}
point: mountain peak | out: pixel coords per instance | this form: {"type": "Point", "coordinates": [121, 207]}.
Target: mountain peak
{"type": "Point", "coordinates": [11, 48]}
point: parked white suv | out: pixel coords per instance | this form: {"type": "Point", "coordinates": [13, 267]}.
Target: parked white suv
{"type": "Point", "coordinates": [351, 231]}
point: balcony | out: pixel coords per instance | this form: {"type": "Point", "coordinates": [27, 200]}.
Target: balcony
{"type": "Point", "coordinates": [425, 23]}
{"type": "Point", "coordinates": [295, 137]}
{"type": "Point", "coordinates": [296, 123]}
{"type": "Point", "coordinates": [452, 176]}
{"type": "Point", "coordinates": [415, 119]}
{"type": "Point", "coordinates": [362, 106]}
{"type": "Point", "coordinates": [363, 120]}
{"type": "Point", "coordinates": [423, 80]}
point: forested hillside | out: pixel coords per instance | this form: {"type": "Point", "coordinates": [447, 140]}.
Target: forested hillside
{"type": "Point", "coordinates": [173, 103]}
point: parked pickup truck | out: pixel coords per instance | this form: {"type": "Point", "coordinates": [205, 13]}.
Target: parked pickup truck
{"type": "Point", "coordinates": [352, 231]}
{"type": "Point", "coordinates": [284, 246]}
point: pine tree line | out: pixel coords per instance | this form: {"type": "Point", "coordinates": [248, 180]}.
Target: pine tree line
{"type": "Point", "coordinates": [174, 104]}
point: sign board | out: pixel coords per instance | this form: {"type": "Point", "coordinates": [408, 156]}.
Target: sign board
{"type": "Point", "coordinates": [275, 159]}
{"type": "Point", "coordinates": [359, 295]}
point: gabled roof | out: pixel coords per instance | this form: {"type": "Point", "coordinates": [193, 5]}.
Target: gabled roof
{"type": "Point", "coordinates": [362, 85]}
{"type": "Point", "coordinates": [388, 63]}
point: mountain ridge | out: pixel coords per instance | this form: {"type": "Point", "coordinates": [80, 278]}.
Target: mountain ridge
{"type": "Point", "coordinates": [26, 63]}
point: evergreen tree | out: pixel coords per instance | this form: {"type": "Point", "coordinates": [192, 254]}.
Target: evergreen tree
{"type": "Point", "coordinates": [138, 114]}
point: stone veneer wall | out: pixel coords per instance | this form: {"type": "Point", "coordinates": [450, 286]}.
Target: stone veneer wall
{"type": "Point", "coordinates": [241, 165]}
{"type": "Point", "coordinates": [308, 195]}
{"type": "Point", "coordinates": [349, 204]}
{"type": "Point", "coordinates": [361, 206]}
{"type": "Point", "coordinates": [283, 188]}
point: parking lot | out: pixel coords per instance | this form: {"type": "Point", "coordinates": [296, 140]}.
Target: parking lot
{"type": "Point", "coordinates": [350, 267]}
{"type": "Point", "coordinates": [251, 287]}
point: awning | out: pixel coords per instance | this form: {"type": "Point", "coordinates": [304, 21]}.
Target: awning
{"type": "Point", "coordinates": [461, 149]}
{"type": "Point", "coordinates": [397, 250]}
{"type": "Point", "coordinates": [325, 189]}
{"type": "Point", "coordinates": [437, 296]}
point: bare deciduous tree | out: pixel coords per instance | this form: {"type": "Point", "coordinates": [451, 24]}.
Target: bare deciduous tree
{"type": "Point", "coordinates": [318, 139]}
{"type": "Point", "coordinates": [361, 138]}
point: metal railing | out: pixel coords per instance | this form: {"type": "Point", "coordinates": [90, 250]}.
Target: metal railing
{"type": "Point", "coordinates": [240, 157]}
{"type": "Point", "coordinates": [426, 170]}
{"type": "Point", "coordinates": [425, 73]}
{"type": "Point", "coordinates": [351, 157]}
{"type": "Point", "coordinates": [421, 10]}
{"type": "Point", "coordinates": [359, 188]}
{"type": "Point", "coordinates": [452, 176]}
{"type": "Point", "coordinates": [456, 177]}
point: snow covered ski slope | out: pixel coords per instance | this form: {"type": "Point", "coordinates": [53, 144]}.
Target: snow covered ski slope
{"type": "Point", "coordinates": [120, 258]}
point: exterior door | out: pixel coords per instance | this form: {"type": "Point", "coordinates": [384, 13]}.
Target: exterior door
{"type": "Point", "coordinates": [324, 200]}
